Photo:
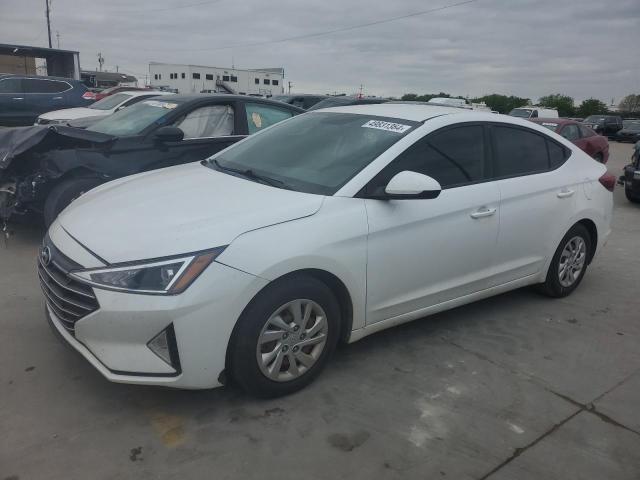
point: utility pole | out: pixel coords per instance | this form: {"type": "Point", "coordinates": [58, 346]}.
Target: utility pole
{"type": "Point", "coordinates": [58, 37]}
{"type": "Point", "coordinates": [360, 94]}
{"type": "Point", "coordinates": [289, 86]}
{"type": "Point", "coordinates": [48, 23]}
{"type": "Point", "coordinates": [100, 60]}
{"type": "Point", "coordinates": [116, 68]}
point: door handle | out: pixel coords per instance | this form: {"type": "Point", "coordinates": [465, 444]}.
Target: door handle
{"type": "Point", "coordinates": [17, 98]}
{"type": "Point", "coordinates": [565, 193]}
{"type": "Point", "coordinates": [483, 212]}
{"type": "Point", "coordinates": [57, 98]}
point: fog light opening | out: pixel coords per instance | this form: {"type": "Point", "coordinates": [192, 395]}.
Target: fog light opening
{"type": "Point", "coordinates": [164, 346]}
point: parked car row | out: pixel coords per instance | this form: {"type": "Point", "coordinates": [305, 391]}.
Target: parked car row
{"type": "Point", "coordinates": [43, 168]}
{"type": "Point", "coordinates": [596, 146]}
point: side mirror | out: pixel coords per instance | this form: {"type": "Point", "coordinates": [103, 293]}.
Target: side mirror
{"type": "Point", "coordinates": [169, 134]}
{"type": "Point", "coordinates": [407, 184]}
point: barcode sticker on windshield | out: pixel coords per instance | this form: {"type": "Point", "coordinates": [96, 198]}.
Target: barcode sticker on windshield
{"type": "Point", "coordinates": [388, 126]}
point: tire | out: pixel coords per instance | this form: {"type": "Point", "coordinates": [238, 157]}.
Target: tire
{"type": "Point", "coordinates": [64, 193]}
{"type": "Point", "coordinates": [268, 378]}
{"type": "Point", "coordinates": [632, 197]}
{"type": "Point", "coordinates": [557, 286]}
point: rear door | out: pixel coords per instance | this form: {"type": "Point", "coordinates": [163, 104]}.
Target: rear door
{"type": "Point", "coordinates": [537, 199]}
{"type": "Point", "coordinates": [13, 109]}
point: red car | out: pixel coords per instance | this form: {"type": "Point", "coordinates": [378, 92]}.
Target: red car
{"type": "Point", "coordinates": [597, 146]}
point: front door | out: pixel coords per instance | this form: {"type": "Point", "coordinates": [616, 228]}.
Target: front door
{"type": "Point", "coordinates": [422, 252]}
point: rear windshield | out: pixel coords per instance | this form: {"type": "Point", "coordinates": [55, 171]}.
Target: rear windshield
{"type": "Point", "coordinates": [521, 112]}
{"type": "Point", "coordinates": [594, 119]}
{"type": "Point", "coordinates": [112, 101]}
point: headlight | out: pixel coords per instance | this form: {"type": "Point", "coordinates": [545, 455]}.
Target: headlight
{"type": "Point", "coordinates": [167, 276]}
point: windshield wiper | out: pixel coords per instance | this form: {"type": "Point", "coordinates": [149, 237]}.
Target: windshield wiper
{"type": "Point", "coordinates": [251, 175]}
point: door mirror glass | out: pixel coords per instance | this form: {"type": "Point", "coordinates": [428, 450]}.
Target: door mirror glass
{"type": "Point", "coordinates": [409, 184]}
{"type": "Point", "coordinates": [169, 134]}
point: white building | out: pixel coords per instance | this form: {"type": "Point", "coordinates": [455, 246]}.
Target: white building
{"type": "Point", "coordinates": [198, 78]}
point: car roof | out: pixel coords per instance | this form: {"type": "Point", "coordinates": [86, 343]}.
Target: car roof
{"type": "Point", "coordinates": [138, 93]}
{"type": "Point", "coordinates": [201, 97]}
{"type": "Point", "coordinates": [405, 111]}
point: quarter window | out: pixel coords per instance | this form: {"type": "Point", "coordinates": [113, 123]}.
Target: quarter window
{"type": "Point", "coordinates": [518, 152]}
{"type": "Point", "coordinates": [454, 157]}
{"type": "Point", "coordinates": [557, 154]}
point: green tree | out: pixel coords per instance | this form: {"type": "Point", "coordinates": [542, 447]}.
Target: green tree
{"type": "Point", "coordinates": [502, 103]}
{"type": "Point", "coordinates": [591, 106]}
{"type": "Point", "coordinates": [630, 104]}
{"type": "Point", "coordinates": [562, 103]}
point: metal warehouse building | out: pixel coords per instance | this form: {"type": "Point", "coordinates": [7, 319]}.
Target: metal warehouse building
{"type": "Point", "coordinates": [198, 78]}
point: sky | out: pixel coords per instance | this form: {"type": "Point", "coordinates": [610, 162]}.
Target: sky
{"type": "Point", "coordinates": [528, 48]}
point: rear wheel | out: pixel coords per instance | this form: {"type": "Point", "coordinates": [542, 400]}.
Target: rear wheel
{"type": "Point", "coordinates": [569, 263]}
{"type": "Point", "coordinates": [284, 337]}
{"type": "Point", "coordinates": [64, 193]}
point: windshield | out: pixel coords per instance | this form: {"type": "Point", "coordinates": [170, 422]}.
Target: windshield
{"type": "Point", "coordinates": [550, 126]}
{"type": "Point", "coordinates": [314, 153]}
{"type": "Point", "coordinates": [521, 112]}
{"type": "Point", "coordinates": [135, 119]}
{"type": "Point", "coordinates": [112, 101]}
{"type": "Point", "coordinates": [594, 119]}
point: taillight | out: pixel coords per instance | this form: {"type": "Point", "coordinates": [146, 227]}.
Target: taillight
{"type": "Point", "coordinates": [89, 95]}
{"type": "Point", "coordinates": [608, 181]}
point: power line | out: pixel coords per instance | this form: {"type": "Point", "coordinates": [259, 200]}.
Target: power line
{"type": "Point", "coordinates": [330, 32]}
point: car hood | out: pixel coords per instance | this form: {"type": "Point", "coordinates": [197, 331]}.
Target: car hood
{"type": "Point", "coordinates": [72, 113]}
{"type": "Point", "coordinates": [177, 210]}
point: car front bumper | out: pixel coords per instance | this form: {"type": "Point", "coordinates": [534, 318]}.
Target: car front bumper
{"type": "Point", "coordinates": [115, 337]}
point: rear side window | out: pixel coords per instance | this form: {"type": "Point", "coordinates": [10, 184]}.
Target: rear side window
{"type": "Point", "coordinates": [518, 152]}
{"type": "Point", "coordinates": [261, 116]}
{"type": "Point", "coordinates": [586, 132]}
{"type": "Point", "coordinates": [557, 154]}
{"type": "Point", "coordinates": [454, 157]}
{"type": "Point", "coordinates": [32, 85]}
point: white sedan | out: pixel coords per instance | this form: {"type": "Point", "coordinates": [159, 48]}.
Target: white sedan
{"type": "Point", "coordinates": [327, 227]}
{"type": "Point", "coordinates": [99, 109]}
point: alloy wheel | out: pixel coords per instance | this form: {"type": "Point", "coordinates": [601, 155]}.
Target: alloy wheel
{"type": "Point", "coordinates": [572, 260]}
{"type": "Point", "coordinates": [292, 340]}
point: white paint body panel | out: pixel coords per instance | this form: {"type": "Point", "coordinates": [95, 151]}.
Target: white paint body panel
{"type": "Point", "coordinates": [399, 260]}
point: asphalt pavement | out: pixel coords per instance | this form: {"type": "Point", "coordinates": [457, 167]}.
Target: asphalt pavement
{"type": "Point", "coordinates": [518, 386]}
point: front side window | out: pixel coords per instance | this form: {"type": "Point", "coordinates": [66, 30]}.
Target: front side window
{"type": "Point", "coordinates": [570, 132]}
{"type": "Point", "coordinates": [262, 116]}
{"type": "Point", "coordinates": [209, 121]}
{"type": "Point", "coordinates": [518, 152]}
{"type": "Point", "coordinates": [11, 85]}
{"type": "Point", "coordinates": [315, 153]}
{"type": "Point", "coordinates": [454, 157]}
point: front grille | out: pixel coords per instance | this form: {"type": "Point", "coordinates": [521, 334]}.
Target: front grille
{"type": "Point", "coordinates": [68, 298]}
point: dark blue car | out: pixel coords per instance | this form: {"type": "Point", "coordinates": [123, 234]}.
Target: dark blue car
{"type": "Point", "coordinates": [24, 97]}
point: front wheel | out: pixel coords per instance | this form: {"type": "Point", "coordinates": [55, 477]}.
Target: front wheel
{"type": "Point", "coordinates": [569, 263]}
{"type": "Point", "coordinates": [284, 337]}
{"type": "Point", "coordinates": [64, 193]}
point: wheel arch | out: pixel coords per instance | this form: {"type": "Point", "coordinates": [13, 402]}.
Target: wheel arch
{"type": "Point", "coordinates": [593, 234]}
